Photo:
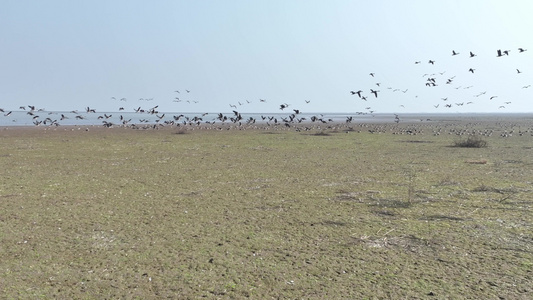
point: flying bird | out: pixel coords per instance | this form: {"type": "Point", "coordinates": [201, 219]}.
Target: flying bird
{"type": "Point", "coordinates": [431, 62]}
{"type": "Point", "coordinates": [374, 92]}
{"type": "Point", "coordinates": [472, 54]}
{"type": "Point", "coordinates": [520, 50]}
{"type": "Point", "coordinates": [471, 70]}
{"type": "Point", "coordinates": [454, 53]}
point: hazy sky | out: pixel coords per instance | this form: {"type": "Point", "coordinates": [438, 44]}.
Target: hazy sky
{"type": "Point", "coordinates": [66, 55]}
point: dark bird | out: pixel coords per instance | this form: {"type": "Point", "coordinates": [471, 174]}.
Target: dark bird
{"type": "Point", "coordinates": [374, 92]}
{"type": "Point", "coordinates": [283, 106]}
{"type": "Point", "coordinates": [471, 70]}
{"type": "Point", "coordinates": [7, 114]}
{"type": "Point", "coordinates": [307, 101]}
{"type": "Point", "coordinates": [499, 53]}
{"type": "Point", "coordinates": [472, 54]}
{"type": "Point", "coordinates": [358, 93]}
{"type": "Point", "coordinates": [371, 74]}
{"type": "Point", "coordinates": [454, 53]}
{"type": "Point", "coordinates": [520, 50]}
{"type": "Point", "coordinates": [492, 97]}
{"type": "Point", "coordinates": [506, 52]}
{"type": "Point", "coordinates": [518, 71]}
{"type": "Point", "coordinates": [431, 62]}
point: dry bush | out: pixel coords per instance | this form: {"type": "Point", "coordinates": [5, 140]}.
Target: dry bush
{"type": "Point", "coordinates": [472, 141]}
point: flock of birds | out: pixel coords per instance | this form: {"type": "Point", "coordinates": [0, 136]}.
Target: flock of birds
{"type": "Point", "coordinates": [157, 119]}
{"type": "Point", "coordinates": [432, 80]}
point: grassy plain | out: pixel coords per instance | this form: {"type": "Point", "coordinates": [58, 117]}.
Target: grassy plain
{"type": "Point", "coordinates": [344, 214]}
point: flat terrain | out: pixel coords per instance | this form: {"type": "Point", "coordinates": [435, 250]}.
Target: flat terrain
{"type": "Point", "coordinates": [342, 212]}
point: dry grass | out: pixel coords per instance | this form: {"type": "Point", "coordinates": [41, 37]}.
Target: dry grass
{"type": "Point", "coordinates": [120, 213]}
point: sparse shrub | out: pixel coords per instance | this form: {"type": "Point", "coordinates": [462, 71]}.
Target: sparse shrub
{"type": "Point", "coordinates": [181, 131]}
{"type": "Point", "coordinates": [473, 141]}
{"type": "Point", "coordinates": [322, 133]}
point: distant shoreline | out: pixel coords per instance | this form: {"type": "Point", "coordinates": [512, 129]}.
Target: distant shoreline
{"type": "Point", "coordinates": [116, 119]}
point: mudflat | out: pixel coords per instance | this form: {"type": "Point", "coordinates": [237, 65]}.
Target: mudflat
{"type": "Point", "coordinates": [346, 211]}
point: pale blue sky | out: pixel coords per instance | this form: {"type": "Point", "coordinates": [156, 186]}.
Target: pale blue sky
{"type": "Point", "coordinates": [66, 55]}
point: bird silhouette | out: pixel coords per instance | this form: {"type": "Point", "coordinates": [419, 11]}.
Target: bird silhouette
{"type": "Point", "coordinates": [454, 53]}
{"type": "Point", "coordinates": [520, 50]}
{"type": "Point", "coordinates": [472, 54]}
{"type": "Point", "coordinates": [374, 92]}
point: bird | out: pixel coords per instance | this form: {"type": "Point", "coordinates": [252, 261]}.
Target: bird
{"type": "Point", "coordinates": [283, 106]}
{"type": "Point", "coordinates": [307, 101]}
{"type": "Point", "coordinates": [471, 70]}
{"type": "Point", "coordinates": [374, 92]}
{"type": "Point", "coordinates": [454, 53]}
{"type": "Point", "coordinates": [358, 93]}
{"type": "Point", "coordinates": [499, 53]}
{"type": "Point", "coordinates": [518, 71]}
{"type": "Point", "coordinates": [371, 74]}
{"type": "Point", "coordinates": [472, 54]}
{"type": "Point", "coordinates": [431, 62]}
{"type": "Point", "coordinates": [520, 50]}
